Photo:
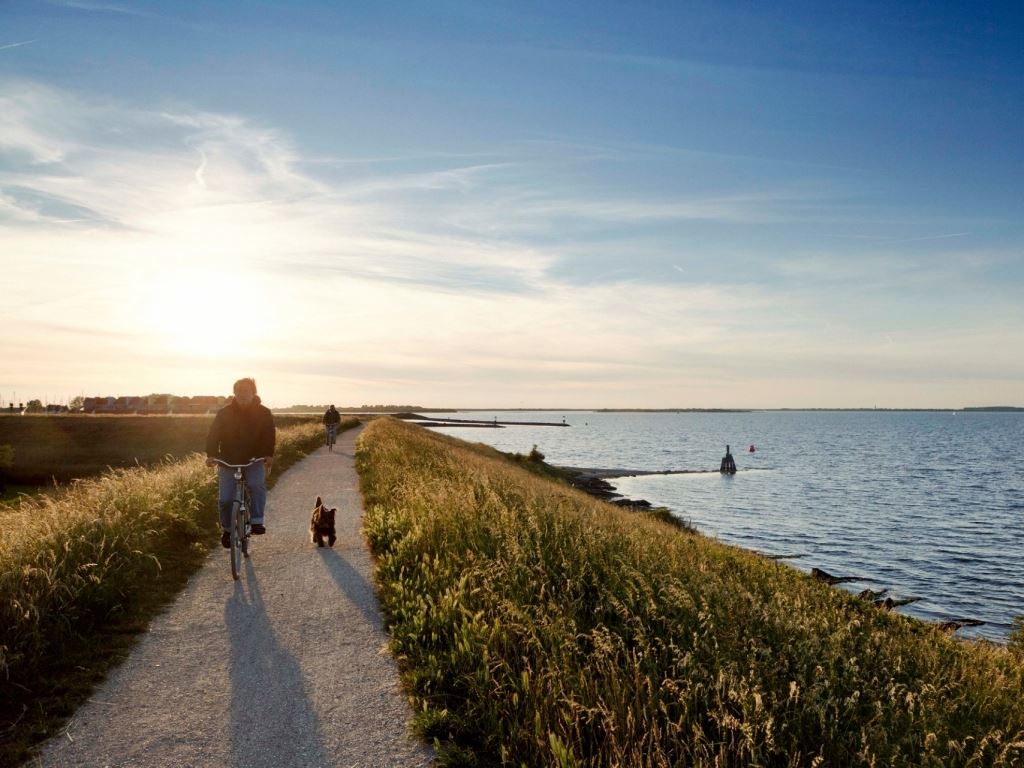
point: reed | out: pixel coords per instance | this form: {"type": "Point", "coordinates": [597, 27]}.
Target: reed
{"type": "Point", "coordinates": [84, 568]}
{"type": "Point", "coordinates": [537, 626]}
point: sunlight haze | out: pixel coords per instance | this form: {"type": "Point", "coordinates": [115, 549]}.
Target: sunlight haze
{"type": "Point", "coordinates": [518, 205]}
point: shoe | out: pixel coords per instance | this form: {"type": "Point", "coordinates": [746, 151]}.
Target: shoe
{"type": "Point", "coordinates": [225, 539]}
{"type": "Point", "coordinates": [258, 530]}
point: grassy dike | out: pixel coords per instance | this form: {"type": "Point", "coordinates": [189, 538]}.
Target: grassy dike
{"type": "Point", "coordinates": [66, 447]}
{"type": "Point", "coordinates": [537, 626]}
{"type": "Point", "coordinates": [83, 570]}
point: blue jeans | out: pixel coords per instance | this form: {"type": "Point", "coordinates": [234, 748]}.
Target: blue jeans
{"type": "Point", "coordinates": [256, 477]}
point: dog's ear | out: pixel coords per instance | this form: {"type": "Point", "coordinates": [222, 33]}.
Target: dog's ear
{"type": "Point", "coordinates": [334, 510]}
{"type": "Point", "coordinates": [319, 502]}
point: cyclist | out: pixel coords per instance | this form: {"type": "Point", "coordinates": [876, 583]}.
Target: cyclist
{"type": "Point", "coordinates": [242, 430]}
{"type": "Point", "coordinates": [331, 420]}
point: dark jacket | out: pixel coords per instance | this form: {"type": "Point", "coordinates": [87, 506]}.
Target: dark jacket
{"type": "Point", "coordinates": [331, 416]}
{"type": "Point", "coordinates": [239, 435]}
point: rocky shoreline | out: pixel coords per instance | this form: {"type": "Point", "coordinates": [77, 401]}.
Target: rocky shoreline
{"type": "Point", "coordinates": [590, 481]}
{"type": "Point", "coordinates": [593, 482]}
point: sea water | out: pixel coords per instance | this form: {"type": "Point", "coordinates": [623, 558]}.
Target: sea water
{"type": "Point", "coordinates": [923, 504]}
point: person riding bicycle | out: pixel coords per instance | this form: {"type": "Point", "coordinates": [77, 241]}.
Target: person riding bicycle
{"type": "Point", "coordinates": [242, 430]}
{"type": "Point", "coordinates": [331, 420]}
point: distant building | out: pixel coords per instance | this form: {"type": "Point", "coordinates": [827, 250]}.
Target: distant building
{"type": "Point", "coordinates": [152, 404]}
{"type": "Point", "coordinates": [158, 404]}
{"type": "Point", "coordinates": [99, 405]}
{"type": "Point", "coordinates": [199, 404]}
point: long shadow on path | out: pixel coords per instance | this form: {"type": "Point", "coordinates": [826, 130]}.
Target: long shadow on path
{"type": "Point", "coordinates": [353, 584]}
{"type": "Point", "coordinates": [272, 721]}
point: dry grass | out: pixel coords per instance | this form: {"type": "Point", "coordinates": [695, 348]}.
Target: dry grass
{"type": "Point", "coordinates": [85, 568]}
{"type": "Point", "coordinates": [537, 626]}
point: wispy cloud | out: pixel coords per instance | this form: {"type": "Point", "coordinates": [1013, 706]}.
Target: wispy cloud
{"type": "Point", "coordinates": [201, 170]}
{"type": "Point", "coordinates": [16, 45]}
{"type": "Point", "coordinates": [428, 277]}
{"type": "Point", "coordinates": [33, 206]}
{"type": "Point", "coordinates": [80, 5]}
{"type": "Point", "coordinates": [881, 240]}
{"type": "Point", "coordinates": [740, 208]}
{"type": "Point", "coordinates": [460, 178]}
{"type": "Point", "coordinates": [395, 159]}
{"type": "Point", "coordinates": [378, 259]}
{"type": "Point", "coordinates": [631, 151]}
{"type": "Point", "coordinates": [137, 169]}
{"type": "Point", "coordinates": [887, 269]}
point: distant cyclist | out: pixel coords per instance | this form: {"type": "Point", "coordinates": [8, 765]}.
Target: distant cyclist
{"type": "Point", "coordinates": [331, 420]}
{"type": "Point", "coordinates": [242, 430]}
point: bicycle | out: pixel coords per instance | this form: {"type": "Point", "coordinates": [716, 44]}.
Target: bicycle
{"type": "Point", "coordinates": [241, 515]}
{"type": "Point", "coordinates": [332, 436]}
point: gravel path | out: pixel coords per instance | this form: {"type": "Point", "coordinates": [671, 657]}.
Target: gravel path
{"type": "Point", "coordinates": [286, 667]}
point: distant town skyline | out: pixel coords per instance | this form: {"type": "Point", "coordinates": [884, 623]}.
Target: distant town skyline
{"type": "Point", "coordinates": [482, 204]}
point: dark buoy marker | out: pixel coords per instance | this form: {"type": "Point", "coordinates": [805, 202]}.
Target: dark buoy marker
{"type": "Point", "coordinates": [728, 463]}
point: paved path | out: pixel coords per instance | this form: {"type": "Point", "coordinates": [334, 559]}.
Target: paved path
{"type": "Point", "coordinates": [286, 667]}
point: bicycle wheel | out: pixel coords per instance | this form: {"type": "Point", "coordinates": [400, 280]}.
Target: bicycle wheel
{"type": "Point", "coordinates": [246, 525]}
{"type": "Point", "coordinates": [237, 537]}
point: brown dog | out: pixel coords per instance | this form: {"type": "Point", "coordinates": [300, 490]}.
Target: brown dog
{"type": "Point", "coordinates": [322, 524]}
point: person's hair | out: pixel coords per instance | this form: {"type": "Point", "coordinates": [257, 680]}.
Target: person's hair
{"type": "Point", "coordinates": [244, 383]}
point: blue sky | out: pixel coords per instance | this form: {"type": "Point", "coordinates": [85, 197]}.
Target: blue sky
{"type": "Point", "coordinates": [515, 204]}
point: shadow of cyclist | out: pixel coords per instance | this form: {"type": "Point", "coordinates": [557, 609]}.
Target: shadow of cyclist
{"type": "Point", "coordinates": [272, 721]}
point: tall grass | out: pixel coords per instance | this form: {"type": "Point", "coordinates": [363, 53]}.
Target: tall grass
{"type": "Point", "coordinates": [537, 626]}
{"type": "Point", "coordinates": [98, 557]}
{"type": "Point", "coordinates": [71, 446]}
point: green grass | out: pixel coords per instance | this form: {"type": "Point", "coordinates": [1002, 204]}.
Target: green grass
{"type": "Point", "coordinates": [84, 569]}
{"type": "Point", "coordinates": [537, 626]}
{"type": "Point", "coordinates": [62, 448]}
{"type": "Point", "coordinates": [12, 494]}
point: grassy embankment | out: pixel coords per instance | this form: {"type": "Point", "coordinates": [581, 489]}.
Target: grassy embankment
{"type": "Point", "coordinates": [84, 569]}
{"type": "Point", "coordinates": [537, 626]}
{"type": "Point", "coordinates": [62, 448]}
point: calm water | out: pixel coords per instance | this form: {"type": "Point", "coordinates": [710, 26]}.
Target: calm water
{"type": "Point", "coordinates": [929, 505]}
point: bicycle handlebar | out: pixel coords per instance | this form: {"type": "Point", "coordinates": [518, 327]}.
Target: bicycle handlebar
{"type": "Point", "coordinates": [235, 466]}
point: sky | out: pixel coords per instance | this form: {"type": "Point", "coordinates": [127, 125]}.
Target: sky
{"type": "Point", "coordinates": [514, 204]}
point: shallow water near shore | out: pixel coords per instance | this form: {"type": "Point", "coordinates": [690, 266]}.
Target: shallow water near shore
{"type": "Point", "coordinates": [927, 505]}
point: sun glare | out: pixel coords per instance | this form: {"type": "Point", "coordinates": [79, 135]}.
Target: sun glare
{"type": "Point", "coordinates": [207, 313]}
